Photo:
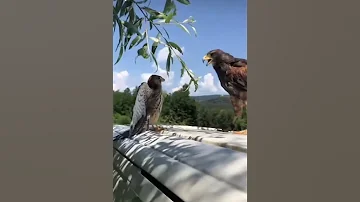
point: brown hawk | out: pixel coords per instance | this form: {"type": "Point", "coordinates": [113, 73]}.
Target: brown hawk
{"type": "Point", "coordinates": [232, 73]}
{"type": "Point", "coordinates": [148, 105]}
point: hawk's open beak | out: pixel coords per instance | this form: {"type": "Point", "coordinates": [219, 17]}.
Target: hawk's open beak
{"type": "Point", "coordinates": [207, 58]}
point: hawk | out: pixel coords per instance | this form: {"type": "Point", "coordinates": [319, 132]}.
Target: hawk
{"type": "Point", "coordinates": [148, 105]}
{"type": "Point", "coordinates": [232, 74]}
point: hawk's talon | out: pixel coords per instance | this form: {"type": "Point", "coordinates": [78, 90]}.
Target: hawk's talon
{"type": "Point", "coordinates": [242, 132]}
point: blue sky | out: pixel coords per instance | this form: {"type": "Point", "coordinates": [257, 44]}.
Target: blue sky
{"type": "Point", "coordinates": [218, 25]}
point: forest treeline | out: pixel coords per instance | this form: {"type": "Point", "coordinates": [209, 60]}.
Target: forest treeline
{"type": "Point", "coordinates": [180, 108]}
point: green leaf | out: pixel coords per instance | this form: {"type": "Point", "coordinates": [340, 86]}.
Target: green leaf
{"type": "Point", "coordinates": [144, 35]}
{"type": "Point", "coordinates": [120, 54]}
{"type": "Point", "coordinates": [156, 43]}
{"type": "Point", "coordinates": [124, 8]}
{"type": "Point", "coordinates": [151, 11]}
{"type": "Point", "coordinates": [131, 28]}
{"type": "Point", "coordinates": [127, 40]}
{"type": "Point", "coordinates": [168, 60]}
{"type": "Point", "coordinates": [118, 6]}
{"type": "Point", "coordinates": [169, 5]}
{"type": "Point", "coordinates": [186, 2]}
{"type": "Point", "coordinates": [154, 47]}
{"type": "Point", "coordinates": [132, 15]}
{"type": "Point", "coordinates": [183, 65]}
{"type": "Point", "coordinates": [141, 2]}
{"type": "Point", "coordinates": [184, 28]}
{"type": "Point", "coordinates": [154, 58]}
{"type": "Point", "coordinates": [143, 52]}
{"type": "Point", "coordinates": [121, 32]}
{"type": "Point", "coordinates": [182, 72]}
{"type": "Point", "coordinates": [134, 41]}
{"type": "Point", "coordinates": [174, 45]}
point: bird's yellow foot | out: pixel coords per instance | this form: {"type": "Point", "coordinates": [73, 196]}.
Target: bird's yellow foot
{"type": "Point", "coordinates": [243, 132]}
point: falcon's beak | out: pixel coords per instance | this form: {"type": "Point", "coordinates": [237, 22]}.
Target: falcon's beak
{"type": "Point", "coordinates": [162, 79]}
{"type": "Point", "coordinates": [208, 59]}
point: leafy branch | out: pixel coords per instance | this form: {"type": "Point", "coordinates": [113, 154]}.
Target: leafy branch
{"type": "Point", "coordinates": [130, 26]}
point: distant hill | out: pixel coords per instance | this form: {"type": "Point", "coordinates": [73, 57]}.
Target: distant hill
{"type": "Point", "coordinates": [214, 101]}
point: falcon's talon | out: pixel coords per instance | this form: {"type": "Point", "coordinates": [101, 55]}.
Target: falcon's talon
{"type": "Point", "coordinates": [157, 129]}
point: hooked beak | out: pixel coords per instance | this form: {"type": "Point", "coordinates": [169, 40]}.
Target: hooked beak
{"type": "Point", "coordinates": [206, 58]}
{"type": "Point", "coordinates": [162, 79]}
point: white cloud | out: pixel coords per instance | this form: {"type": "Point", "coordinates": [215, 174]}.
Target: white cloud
{"type": "Point", "coordinates": [161, 59]}
{"type": "Point", "coordinates": [207, 85]}
{"type": "Point", "coordinates": [120, 80]}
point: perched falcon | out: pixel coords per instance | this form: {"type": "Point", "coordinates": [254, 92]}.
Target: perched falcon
{"type": "Point", "coordinates": [232, 73]}
{"type": "Point", "coordinates": [148, 105]}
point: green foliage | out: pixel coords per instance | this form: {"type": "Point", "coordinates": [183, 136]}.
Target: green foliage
{"type": "Point", "coordinates": [135, 20]}
{"type": "Point", "coordinates": [180, 108]}
{"type": "Point", "coordinates": [123, 102]}
{"type": "Point", "coordinates": [121, 119]}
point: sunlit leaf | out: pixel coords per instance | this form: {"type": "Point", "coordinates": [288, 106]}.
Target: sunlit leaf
{"type": "Point", "coordinates": [169, 17]}
{"type": "Point", "coordinates": [189, 20]}
{"type": "Point", "coordinates": [174, 45]}
{"type": "Point", "coordinates": [186, 2]}
{"type": "Point", "coordinates": [193, 28]}
{"type": "Point", "coordinates": [183, 27]}
{"type": "Point", "coordinates": [154, 39]}
{"type": "Point", "coordinates": [162, 21]}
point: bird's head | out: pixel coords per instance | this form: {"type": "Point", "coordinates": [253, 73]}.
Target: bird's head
{"type": "Point", "coordinates": [212, 56]}
{"type": "Point", "coordinates": [155, 81]}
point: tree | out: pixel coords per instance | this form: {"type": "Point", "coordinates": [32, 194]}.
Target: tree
{"type": "Point", "coordinates": [179, 108]}
{"type": "Point", "coordinates": [123, 102]}
{"type": "Point", "coordinates": [135, 20]}
{"type": "Point", "coordinates": [223, 119]}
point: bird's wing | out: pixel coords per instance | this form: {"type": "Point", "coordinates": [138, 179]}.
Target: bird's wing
{"type": "Point", "coordinates": [139, 110]}
{"type": "Point", "coordinates": [236, 76]}
{"type": "Point", "coordinates": [239, 62]}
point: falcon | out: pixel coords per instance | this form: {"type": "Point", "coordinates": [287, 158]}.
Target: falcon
{"type": "Point", "coordinates": [148, 105]}
{"type": "Point", "coordinates": [232, 74]}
